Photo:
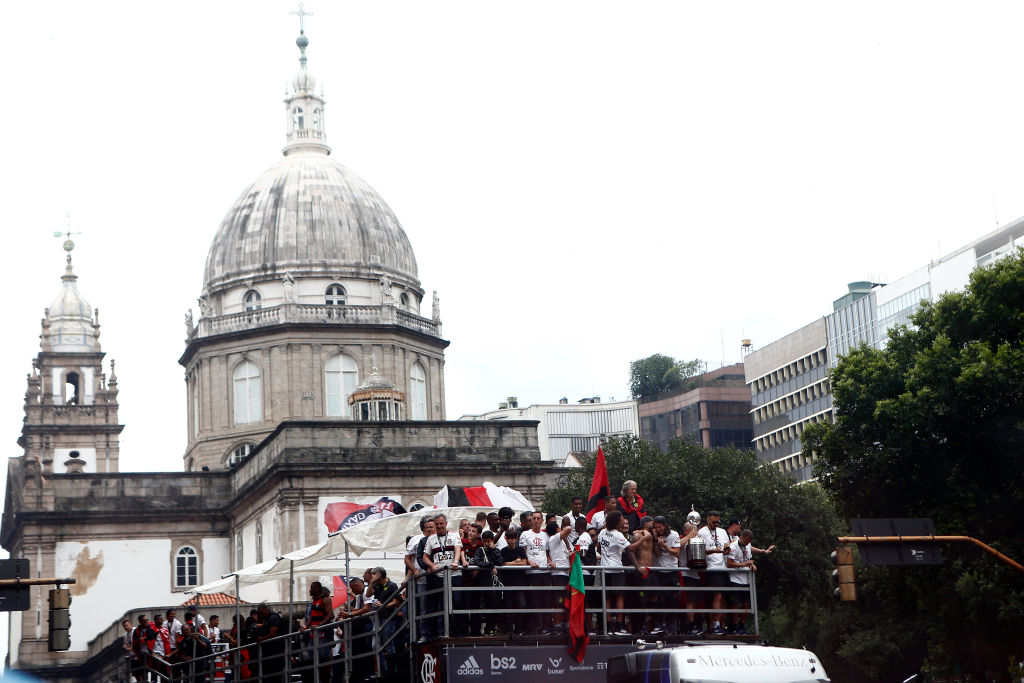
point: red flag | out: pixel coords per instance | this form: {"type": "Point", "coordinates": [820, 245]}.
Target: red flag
{"type": "Point", "coordinates": [575, 603]}
{"type": "Point", "coordinates": [599, 487]}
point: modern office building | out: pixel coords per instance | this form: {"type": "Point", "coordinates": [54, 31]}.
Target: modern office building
{"type": "Point", "coordinates": [715, 411]}
{"type": "Point", "coordinates": [788, 378]}
{"type": "Point", "coordinates": [566, 430]}
{"type": "Point", "coordinates": [788, 382]}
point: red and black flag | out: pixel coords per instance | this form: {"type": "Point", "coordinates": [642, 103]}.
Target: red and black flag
{"type": "Point", "coordinates": [599, 487]}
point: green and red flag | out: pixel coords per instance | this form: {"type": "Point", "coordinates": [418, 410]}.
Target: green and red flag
{"type": "Point", "coordinates": [574, 602]}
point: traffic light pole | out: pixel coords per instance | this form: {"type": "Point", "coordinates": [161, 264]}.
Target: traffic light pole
{"type": "Point", "coordinates": [7, 583]}
{"type": "Point", "coordinates": [928, 539]}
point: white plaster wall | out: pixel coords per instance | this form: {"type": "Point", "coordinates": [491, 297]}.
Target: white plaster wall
{"type": "Point", "coordinates": [113, 577]}
{"type": "Point", "coordinates": [898, 288]}
{"type": "Point", "coordinates": [57, 384]}
{"type": "Point", "coordinates": [88, 387]}
{"type": "Point", "coordinates": [86, 454]}
{"type": "Point", "coordinates": [216, 559]}
{"type": "Point", "coordinates": [249, 544]}
{"type": "Point", "coordinates": [952, 274]}
{"type": "Point", "coordinates": [271, 544]}
{"type": "Point", "coordinates": [14, 634]}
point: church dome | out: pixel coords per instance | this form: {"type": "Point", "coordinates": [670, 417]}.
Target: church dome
{"type": "Point", "coordinates": [69, 324]}
{"type": "Point", "coordinates": [307, 215]}
{"type": "Point", "coordinates": [310, 216]}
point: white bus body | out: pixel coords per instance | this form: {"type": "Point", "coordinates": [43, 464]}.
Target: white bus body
{"type": "Point", "coordinates": [717, 663]}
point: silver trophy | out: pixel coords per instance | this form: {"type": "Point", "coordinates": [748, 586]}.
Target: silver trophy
{"type": "Point", "coordinates": [693, 517]}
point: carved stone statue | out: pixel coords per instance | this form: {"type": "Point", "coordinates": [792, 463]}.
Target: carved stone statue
{"type": "Point", "coordinates": [190, 328]}
{"type": "Point", "coordinates": [289, 288]}
{"type": "Point", "coordinates": [436, 308]}
{"type": "Point", "coordinates": [385, 290]}
{"type": "Point", "coordinates": [205, 309]}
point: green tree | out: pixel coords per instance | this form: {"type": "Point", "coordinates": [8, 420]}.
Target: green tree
{"type": "Point", "coordinates": [933, 426]}
{"type": "Point", "coordinates": [794, 582]}
{"type": "Point", "coordinates": [659, 374]}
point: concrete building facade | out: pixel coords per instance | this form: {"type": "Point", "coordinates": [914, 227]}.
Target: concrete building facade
{"type": "Point", "coordinates": [715, 411]}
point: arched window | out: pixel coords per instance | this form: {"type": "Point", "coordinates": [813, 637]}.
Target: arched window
{"type": "Point", "coordinates": [259, 542]}
{"type": "Point", "coordinates": [253, 300]}
{"type": "Point", "coordinates": [239, 454]}
{"type": "Point", "coordinates": [186, 567]}
{"type": "Point", "coordinates": [415, 507]}
{"type": "Point", "coordinates": [317, 119]}
{"type": "Point", "coordinates": [248, 393]}
{"type": "Point", "coordinates": [297, 118]}
{"type": "Point", "coordinates": [404, 300]}
{"type": "Point", "coordinates": [418, 392]}
{"type": "Point", "coordinates": [341, 376]}
{"type": "Point", "coordinates": [335, 295]}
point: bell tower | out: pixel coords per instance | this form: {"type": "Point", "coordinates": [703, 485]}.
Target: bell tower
{"type": "Point", "coordinates": [71, 420]}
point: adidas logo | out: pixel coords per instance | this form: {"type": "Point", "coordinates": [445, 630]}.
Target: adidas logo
{"type": "Point", "coordinates": [470, 668]}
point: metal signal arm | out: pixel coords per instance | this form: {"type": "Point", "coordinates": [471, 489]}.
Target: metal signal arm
{"type": "Point", "coordinates": [934, 539]}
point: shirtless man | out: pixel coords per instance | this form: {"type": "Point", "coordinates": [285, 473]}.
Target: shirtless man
{"type": "Point", "coordinates": [643, 560]}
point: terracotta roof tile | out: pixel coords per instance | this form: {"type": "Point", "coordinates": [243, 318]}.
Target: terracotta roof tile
{"type": "Point", "coordinates": [212, 600]}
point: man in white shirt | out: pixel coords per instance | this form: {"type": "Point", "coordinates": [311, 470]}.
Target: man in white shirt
{"type": "Point", "coordinates": [575, 512]}
{"type": "Point", "coordinates": [173, 629]}
{"type": "Point", "coordinates": [612, 543]}
{"type": "Point", "coordinates": [740, 560]}
{"type": "Point", "coordinates": [414, 567]}
{"type": "Point", "coordinates": [666, 557]}
{"type": "Point", "coordinates": [535, 541]}
{"type": "Point", "coordinates": [716, 542]}
{"type": "Point", "coordinates": [597, 522]}
{"type": "Point", "coordinates": [559, 550]}
{"type": "Point", "coordinates": [443, 553]}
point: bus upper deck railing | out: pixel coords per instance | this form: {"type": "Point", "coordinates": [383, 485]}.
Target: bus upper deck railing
{"type": "Point", "coordinates": [380, 639]}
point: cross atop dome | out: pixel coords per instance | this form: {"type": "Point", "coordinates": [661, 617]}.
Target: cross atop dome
{"type": "Point", "coordinates": [302, 14]}
{"type": "Point", "coordinates": [304, 107]}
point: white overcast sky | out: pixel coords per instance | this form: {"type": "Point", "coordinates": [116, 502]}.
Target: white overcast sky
{"type": "Point", "coordinates": [584, 183]}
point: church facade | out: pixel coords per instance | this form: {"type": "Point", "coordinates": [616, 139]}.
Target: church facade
{"type": "Point", "coordinates": [312, 376]}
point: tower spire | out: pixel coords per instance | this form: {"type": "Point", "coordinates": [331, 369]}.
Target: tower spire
{"type": "Point", "coordinates": [304, 107]}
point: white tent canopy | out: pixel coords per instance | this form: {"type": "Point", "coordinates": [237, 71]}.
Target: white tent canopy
{"type": "Point", "coordinates": [383, 535]}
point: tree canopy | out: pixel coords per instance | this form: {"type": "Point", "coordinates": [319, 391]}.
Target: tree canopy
{"type": "Point", "coordinates": [658, 374]}
{"type": "Point", "coordinates": [933, 426]}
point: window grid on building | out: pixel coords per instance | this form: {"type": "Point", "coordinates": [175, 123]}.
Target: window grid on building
{"type": "Point", "coordinates": [186, 567]}
{"type": "Point", "coordinates": [248, 390]}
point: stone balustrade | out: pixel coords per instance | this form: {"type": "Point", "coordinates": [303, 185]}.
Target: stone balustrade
{"type": "Point", "coordinates": [317, 313]}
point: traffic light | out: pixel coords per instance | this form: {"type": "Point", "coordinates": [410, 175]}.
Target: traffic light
{"type": "Point", "coordinates": [60, 619]}
{"type": "Point", "coordinates": [842, 557]}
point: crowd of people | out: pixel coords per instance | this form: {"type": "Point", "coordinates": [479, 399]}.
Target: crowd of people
{"type": "Point", "coordinates": [521, 566]}
{"type": "Point", "coordinates": [164, 644]}
{"type": "Point", "coordinates": [632, 547]}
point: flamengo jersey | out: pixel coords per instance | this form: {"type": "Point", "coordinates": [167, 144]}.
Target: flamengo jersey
{"type": "Point", "coordinates": [441, 549]}
{"type": "Point", "coordinates": [536, 544]}
{"type": "Point", "coordinates": [612, 544]}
